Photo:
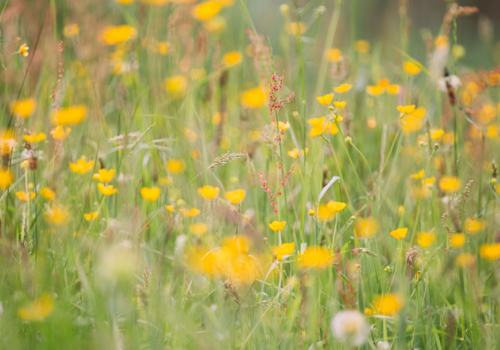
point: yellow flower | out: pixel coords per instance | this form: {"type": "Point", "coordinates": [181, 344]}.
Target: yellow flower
{"type": "Point", "coordinates": [236, 196]}
{"type": "Point", "coordinates": [362, 46]}
{"type": "Point", "coordinates": [425, 239]}
{"type": "Point", "coordinates": [191, 213]}
{"type": "Point", "coordinates": [253, 98]}
{"type": "Point", "coordinates": [6, 179]}
{"type": "Point", "coordinates": [56, 216]}
{"type": "Point", "coordinates": [198, 229]}
{"type": "Point", "coordinates": [206, 10]}
{"type": "Point", "coordinates": [436, 134]}
{"type": "Point", "coordinates": [215, 25]}
{"type": "Point", "coordinates": [366, 227]}
{"type": "Point", "coordinates": [60, 133]}
{"type": "Point", "coordinates": [325, 213]}
{"type": "Point", "coordinates": [47, 193]}
{"type": "Point", "coordinates": [400, 233]}
{"type": "Point", "coordinates": [170, 208]}
{"type": "Point", "coordinates": [81, 166]}
{"type": "Point", "coordinates": [406, 109]}
{"type": "Point", "coordinates": [465, 260]}
{"type": "Point", "coordinates": [336, 206]}
{"type": "Point", "coordinates": [104, 175]}
{"type": "Point", "coordinates": [490, 251]}
{"type": "Point", "coordinates": [339, 104]}
{"type": "Point", "coordinates": [316, 257]}
{"type": "Point", "coordinates": [418, 176]}
{"type": "Point", "coordinates": [411, 68]}
{"type": "Point", "coordinates": [294, 153]}
{"type": "Point", "coordinates": [208, 192]}
{"type": "Point", "coordinates": [473, 226]}
{"type": "Point", "coordinates": [91, 216]}
{"type": "Point", "coordinates": [311, 212]}
{"type": "Point", "coordinates": [25, 196]}
{"type": "Point", "coordinates": [125, 2]}
{"type": "Point", "coordinates": [325, 100]}
{"type": "Point", "coordinates": [293, 28]}
{"type": "Point", "coordinates": [176, 166]}
{"type": "Point", "coordinates": [165, 181]}
{"type": "Point", "coordinates": [34, 138]}
{"type": "Point", "coordinates": [334, 55]}
{"type": "Point", "coordinates": [343, 88]}
{"type": "Point", "coordinates": [232, 58]}
{"type": "Point", "coordinates": [457, 240]}
{"type": "Point", "coordinates": [23, 108]}
{"type": "Point", "coordinates": [108, 190]}
{"type": "Point", "coordinates": [284, 250]}
{"type": "Point", "coordinates": [441, 41]}
{"type": "Point", "coordinates": [176, 86]}
{"type": "Point", "coordinates": [23, 50]}
{"type": "Point", "coordinates": [393, 89]}
{"type": "Point", "coordinates": [113, 35]}
{"type": "Point", "coordinates": [150, 194]}
{"type": "Point", "coordinates": [387, 304]}
{"type": "Point", "coordinates": [38, 310]}
{"type": "Point", "coordinates": [450, 184]}
{"type": "Point", "coordinates": [71, 30]}
{"type": "Point", "coordinates": [277, 225]}
{"type": "Point", "coordinates": [70, 115]}
{"type": "Point", "coordinates": [375, 90]}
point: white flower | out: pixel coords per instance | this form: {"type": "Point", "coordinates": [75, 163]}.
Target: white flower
{"type": "Point", "coordinates": [452, 79]}
{"type": "Point", "coordinates": [350, 326]}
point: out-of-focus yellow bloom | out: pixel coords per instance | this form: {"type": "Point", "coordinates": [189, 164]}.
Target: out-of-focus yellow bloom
{"type": "Point", "coordinates": [56, 216]}
{"type": "Point", "coordinates": [450, 184]}
{"type": "Point", "coordinates": [366, 227]}
{"type": "Point", "coordinates": [465, 260]}
{"type": "Point", "coordinates": [254, 98]}
{"type": "Point", "coordinates": [236, 196]}
{"type": "Point", "coordinates": [371, 123]}
{"type": "Point", "coordinates": [325, 213]}
{"type": "Point", "coordinates": [401, 210]}
{"type": "Point", "coordinates": [7, 141]}
{"type": "Point", "coordinates": [473, 226]}
{"type": "Point", "coordinates": [47, 193]}
{"type": "Point", "coordinates": [277, 225]}
{"type": "Point", "coordinates": [436, 134]}
{"type": "Point", "coordinates": [38, 310]}
{"type": "Point", "coordinates": [393, 89]}
{"type": "Point", "coordinates": [71, 30]}
{"type": "Point", "coordinates": [125, 2]}
{"type": "Point", "coordinates": [334, 55]}
{"type": "Point", "coordinates": [108, 190]}
{"type": "Point", "coordinates": [406, 109]}
{"type": "Point", "coordinates": [25, 196]}
{"type": "Point", "coordinates": [23, 108]}
{"type": "Point", "coordinates": [399, 233]}
{"type": "Point", "coordinates": [336, 206]}
{"type": "Point", "coordinates": [294, 153]}
{"type": "Point", "coordinates": [375, 90]}
{"type": "Point", "coordinates": [343, 88]}
{"type": "Point", "coordinates": [70, 115]}
{"type": "Point", "coordinates": [311, 212]}
{"type": "Point", "coordinates": [317, 124]}
{"type": "Point", "coordinates": [113, 35]}
{"type": "Point", "coordinates": [490, 251]}
{"type": "Point", "coordinates": [325, 100]}
{"type": "Point", "coordinates": [170, 208]}
{"type": "Point", "coordinates": [339, 104]}
{"type": "Point", "coordinates": [387, 304]}
{"type": "Point", "coordinates": [34, 138]}
{"type": "Point", "coordinates": [411, 68]}
{"type": "Point", "coordinates": [191, 213]}
{"type": "Point", "coordinates": [215, 25]}
{"type": "Point", "coordinates": [418, 176]}
{"type": "Point", "coordinates": [6, 179]}
{"type": "Point", "coordinates": [316, 258]}
{"type": "Point", "coordinates": [441, 41]}
{"type": "Point", "coordinates": [198, 229]}
{"type": "Point", "coordinates": [23, 50]}
{"type": "Point", "coordinates": [208, 192]}
{"type": "Point", "coordinates": [206, 10]}
{"type": "Point", "coordinates": [425, 239]}
{"type": "Point", "coordinates": [60, 133]}
{"type": "Point", "coordinates": [457, 240]}
{"type": "Point", "coordinates": [293, 28]}
{"type": "Point", "coordinates": [150, 194]}
{"type": "Point", "coordinates": [81, 166]}
{"type": "Point", "coordinates": [176, 166]}
{"type": "Point", "coordinates": [232, 58]}
{"type": "Point", "coordinates": [91, 216]}
{"type": "Point", "coordinates": [362, 46]}
{"type": "Point", "coordinates": [284, 250]}
{"type": "Point", "coordinates": [104, 175]}
{"type": "Point", "coordinates": [176, 86]}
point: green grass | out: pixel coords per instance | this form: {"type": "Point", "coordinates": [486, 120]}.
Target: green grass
{"type": "Point", "coordinates": [125, 281]}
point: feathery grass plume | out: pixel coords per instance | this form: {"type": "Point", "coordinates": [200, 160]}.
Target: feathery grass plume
{"type": "Point", "coordinates": [226, 158]}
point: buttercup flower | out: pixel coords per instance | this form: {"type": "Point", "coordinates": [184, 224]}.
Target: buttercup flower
{"type": "Point", "coordinates": [400, 233]}
{"type": "Point", "coordinates": [60, 133]}
{"type": "Point", "coordinates": [150, 194]}
{"type": "Point", "coordinates": [38, 310]}
{"type": "Point", "coordinates": [176, 166]}
{"type": "Point", "coordinates": [81, 166]}
{"type": "Point", "coordinates": [325, 100]}
{"type": "Point", "coordinates": [91, 216]}
{"type": "Point", "coordinates": [191, 213]}
{"type": "Point", "coordinates": [450, 184]}
{"type": "Point", "coordinates": [69, 116]}
{"type": "Point", "coordinates": [23, 108]}
{"type": "Point", "coordinates": [457, 240]}
{"type": "Point", "coordinates": [254, 98]}
{"type": "Point", "coordinates": [236, 196]}
{"type": "Point", "coordinates": [104, 175]}
{"type": "Point", "coordinates": [387, 304]}
{"type": "Point", "coordinates": [490, 251]}
{"type": "Point", "coordinates": [34, 138]}
{"type": "Point", "coordinates": [232, 58]}
{"type": "Point", "coordinates": [108, 190]}
{"type": "Point", "coordinates": [316, 258]}
{"type": "Point", "coordinates": [283, 251]}
{"type": "Point", "coordinates": [277, 225]}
